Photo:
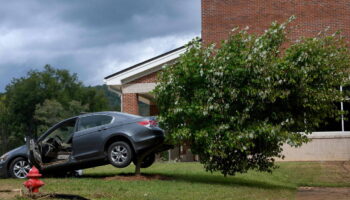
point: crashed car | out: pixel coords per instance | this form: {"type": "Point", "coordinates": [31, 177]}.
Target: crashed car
{"type": "Point", "coordinates": [15, 163]}
{"type": "Point", "coordinates": [88, 140]}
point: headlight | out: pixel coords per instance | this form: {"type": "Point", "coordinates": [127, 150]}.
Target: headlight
{"type": "Point", "coordinates": [4, 157]}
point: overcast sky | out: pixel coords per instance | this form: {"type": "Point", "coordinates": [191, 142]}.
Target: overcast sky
{"type": "Point", "coordinates": [93, 38]}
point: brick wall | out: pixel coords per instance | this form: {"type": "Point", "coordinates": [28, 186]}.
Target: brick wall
{"type": "Point", "coordinates": [153, 110]}
{"type": "Point", "coordinates": [130, 103]}
{"type": "Point", "coordinates": [150, 78]}
{"type": "Point", "coordinates": [130, 100]}
{"type": "Point", "coordinates": [220, 16]}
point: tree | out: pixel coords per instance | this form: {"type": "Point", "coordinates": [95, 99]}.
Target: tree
{"type": "Point", "coordinates": [52, 112]}
{"type": "Point", "coordinates": [236, 105]}
{"type": "Point", "coordinates": [112, 97]}
{"type": "Point", "coordinates": [24, 94]}
{"type": "Point", "coordinates": [3, 125]}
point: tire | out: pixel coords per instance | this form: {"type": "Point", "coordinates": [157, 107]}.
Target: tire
{"type": "Point", "coordinates": [19, 168]}
{"type": "Point", "coordinates": [147, 161]}
{"type": "Point", "coordinates": [120, 154]}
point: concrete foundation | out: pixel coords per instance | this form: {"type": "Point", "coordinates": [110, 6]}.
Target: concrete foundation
{"type": "Point", "coordinates": [324, 146]}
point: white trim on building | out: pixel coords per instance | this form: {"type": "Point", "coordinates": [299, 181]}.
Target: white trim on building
{"type": "Point", "coordinates": [142, 69]}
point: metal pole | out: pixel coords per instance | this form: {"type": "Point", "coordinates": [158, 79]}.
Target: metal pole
{"type": "Point", "coordinates": [342, 109]}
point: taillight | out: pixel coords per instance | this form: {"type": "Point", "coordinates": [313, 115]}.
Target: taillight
{"type": "Point", "coordinates": [148, 123]}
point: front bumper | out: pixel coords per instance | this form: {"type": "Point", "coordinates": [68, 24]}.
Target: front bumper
{"type": "Point", "coordinates": [3, 170]}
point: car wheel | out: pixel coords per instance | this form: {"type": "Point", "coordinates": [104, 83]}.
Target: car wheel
{"type": "Point", "coordinates": [19, 168]}
{"type": "Point", "coordinates": [119, 154]}
{"type": "Point", "coordinates": [147, 161]}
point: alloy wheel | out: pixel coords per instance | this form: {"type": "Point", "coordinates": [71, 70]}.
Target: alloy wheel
{"type": "Point", "coordinates": [21, 169]}
{"type": "Point", "coordinates": [119, 154]}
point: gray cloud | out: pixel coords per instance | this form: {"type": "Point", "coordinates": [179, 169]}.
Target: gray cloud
{"type": "Point", "coordinates": [93, 38]}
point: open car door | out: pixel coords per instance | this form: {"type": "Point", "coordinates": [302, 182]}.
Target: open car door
{"type": "Point", "coordinates": [34, 153]}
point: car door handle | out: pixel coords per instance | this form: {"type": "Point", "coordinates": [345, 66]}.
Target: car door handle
{"type": "Point", "coordinates": [103, 129]}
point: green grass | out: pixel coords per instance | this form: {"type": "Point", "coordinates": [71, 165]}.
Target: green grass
{"type": "Point", "coordinates": [190, 181]}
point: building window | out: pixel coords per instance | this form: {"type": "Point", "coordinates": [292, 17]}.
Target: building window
{"type": "Point", "coordinates": [341, 124]}
{"type": "Point", "coordinates": [144, 109]}
{"type": "Point", "coordinates": [346, 118]}
{"type": "Point", "coordinates": [331, 124]}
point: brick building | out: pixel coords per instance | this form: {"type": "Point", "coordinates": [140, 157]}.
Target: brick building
{"type": "Point", "coordinates": [219, 17]}
{"type": "Point", "coordinates": [313, 16]}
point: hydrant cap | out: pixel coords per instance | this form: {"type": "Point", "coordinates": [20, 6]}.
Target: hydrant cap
{"type": "Point", "coordinates": [33, 173]}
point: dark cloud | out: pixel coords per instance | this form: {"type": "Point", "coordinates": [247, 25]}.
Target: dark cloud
{"type": "Point", "coordinates": [93, 38]}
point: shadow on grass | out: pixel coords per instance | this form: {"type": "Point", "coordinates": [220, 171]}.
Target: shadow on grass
{"type": "Point", "coordinates": [204, 179]}
{"type": "Point", "coordinates": [54, 196]}
{"type": "Point", "coordinates": [230, 181]}
{"type": "Point", "coordinates": [68, 196]}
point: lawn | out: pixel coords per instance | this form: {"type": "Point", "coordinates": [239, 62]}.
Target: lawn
{"type": "Point", "coordinates": [190, 181]}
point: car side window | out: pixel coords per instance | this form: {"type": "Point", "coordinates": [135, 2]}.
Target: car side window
{"type": "Point", "coordinates": [93, 121]}
{"type": "Point", "coordinates": [63, 131]}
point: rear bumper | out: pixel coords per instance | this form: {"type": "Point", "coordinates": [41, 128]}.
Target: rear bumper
{"type": "Point", "coordinates": [148, 142]}
{"type": "Point", "coordinates": [151, 139]}
{"type": "Point", "coordinates": [164, 147]}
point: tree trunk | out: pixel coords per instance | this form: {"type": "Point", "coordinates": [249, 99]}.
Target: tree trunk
{"type": "Point", "coordinates": [138, 167]}
{"type": "Point", "coordinates": [142, 156]}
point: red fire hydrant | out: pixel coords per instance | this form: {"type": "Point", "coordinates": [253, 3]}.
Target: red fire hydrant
{"type": "Point", "coordinates": [33, 184]}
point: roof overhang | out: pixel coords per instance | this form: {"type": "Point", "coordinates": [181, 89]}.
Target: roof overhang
{"type": "Point", "coordinates": [134, 72]}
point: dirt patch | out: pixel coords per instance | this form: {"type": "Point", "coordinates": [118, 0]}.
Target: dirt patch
{"type": "Point", "coordinates": [142, 177]}
{"type": "Point", "coordinates": [335, 172]}
{"type": "Point", "coordinates": [346, 166]}
{"type": "Point", "coordinates": [10, 194]}
{"type": "Point", "coordinates": [323, 193]}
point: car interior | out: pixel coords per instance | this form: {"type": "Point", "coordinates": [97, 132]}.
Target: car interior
{"type": "Point", "coordinates": [56, 147]}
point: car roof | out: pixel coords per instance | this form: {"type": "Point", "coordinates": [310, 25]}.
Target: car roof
{"type": "Point", "coordinates": [114, 113]}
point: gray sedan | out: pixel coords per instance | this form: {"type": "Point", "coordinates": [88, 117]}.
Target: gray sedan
{"type": "Point", "coordinates": [85, 141]}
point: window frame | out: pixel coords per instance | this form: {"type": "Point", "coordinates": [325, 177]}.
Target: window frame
{"type": "Point", "coordinates": [94, 115]}
{"type": "Point", "coordinates": [59, 124]}
{"type": "Point", "coordinates": [342, 120]}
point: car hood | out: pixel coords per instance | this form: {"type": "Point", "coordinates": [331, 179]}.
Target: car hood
{"type": "Point", "coordinates": [19, 150]}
